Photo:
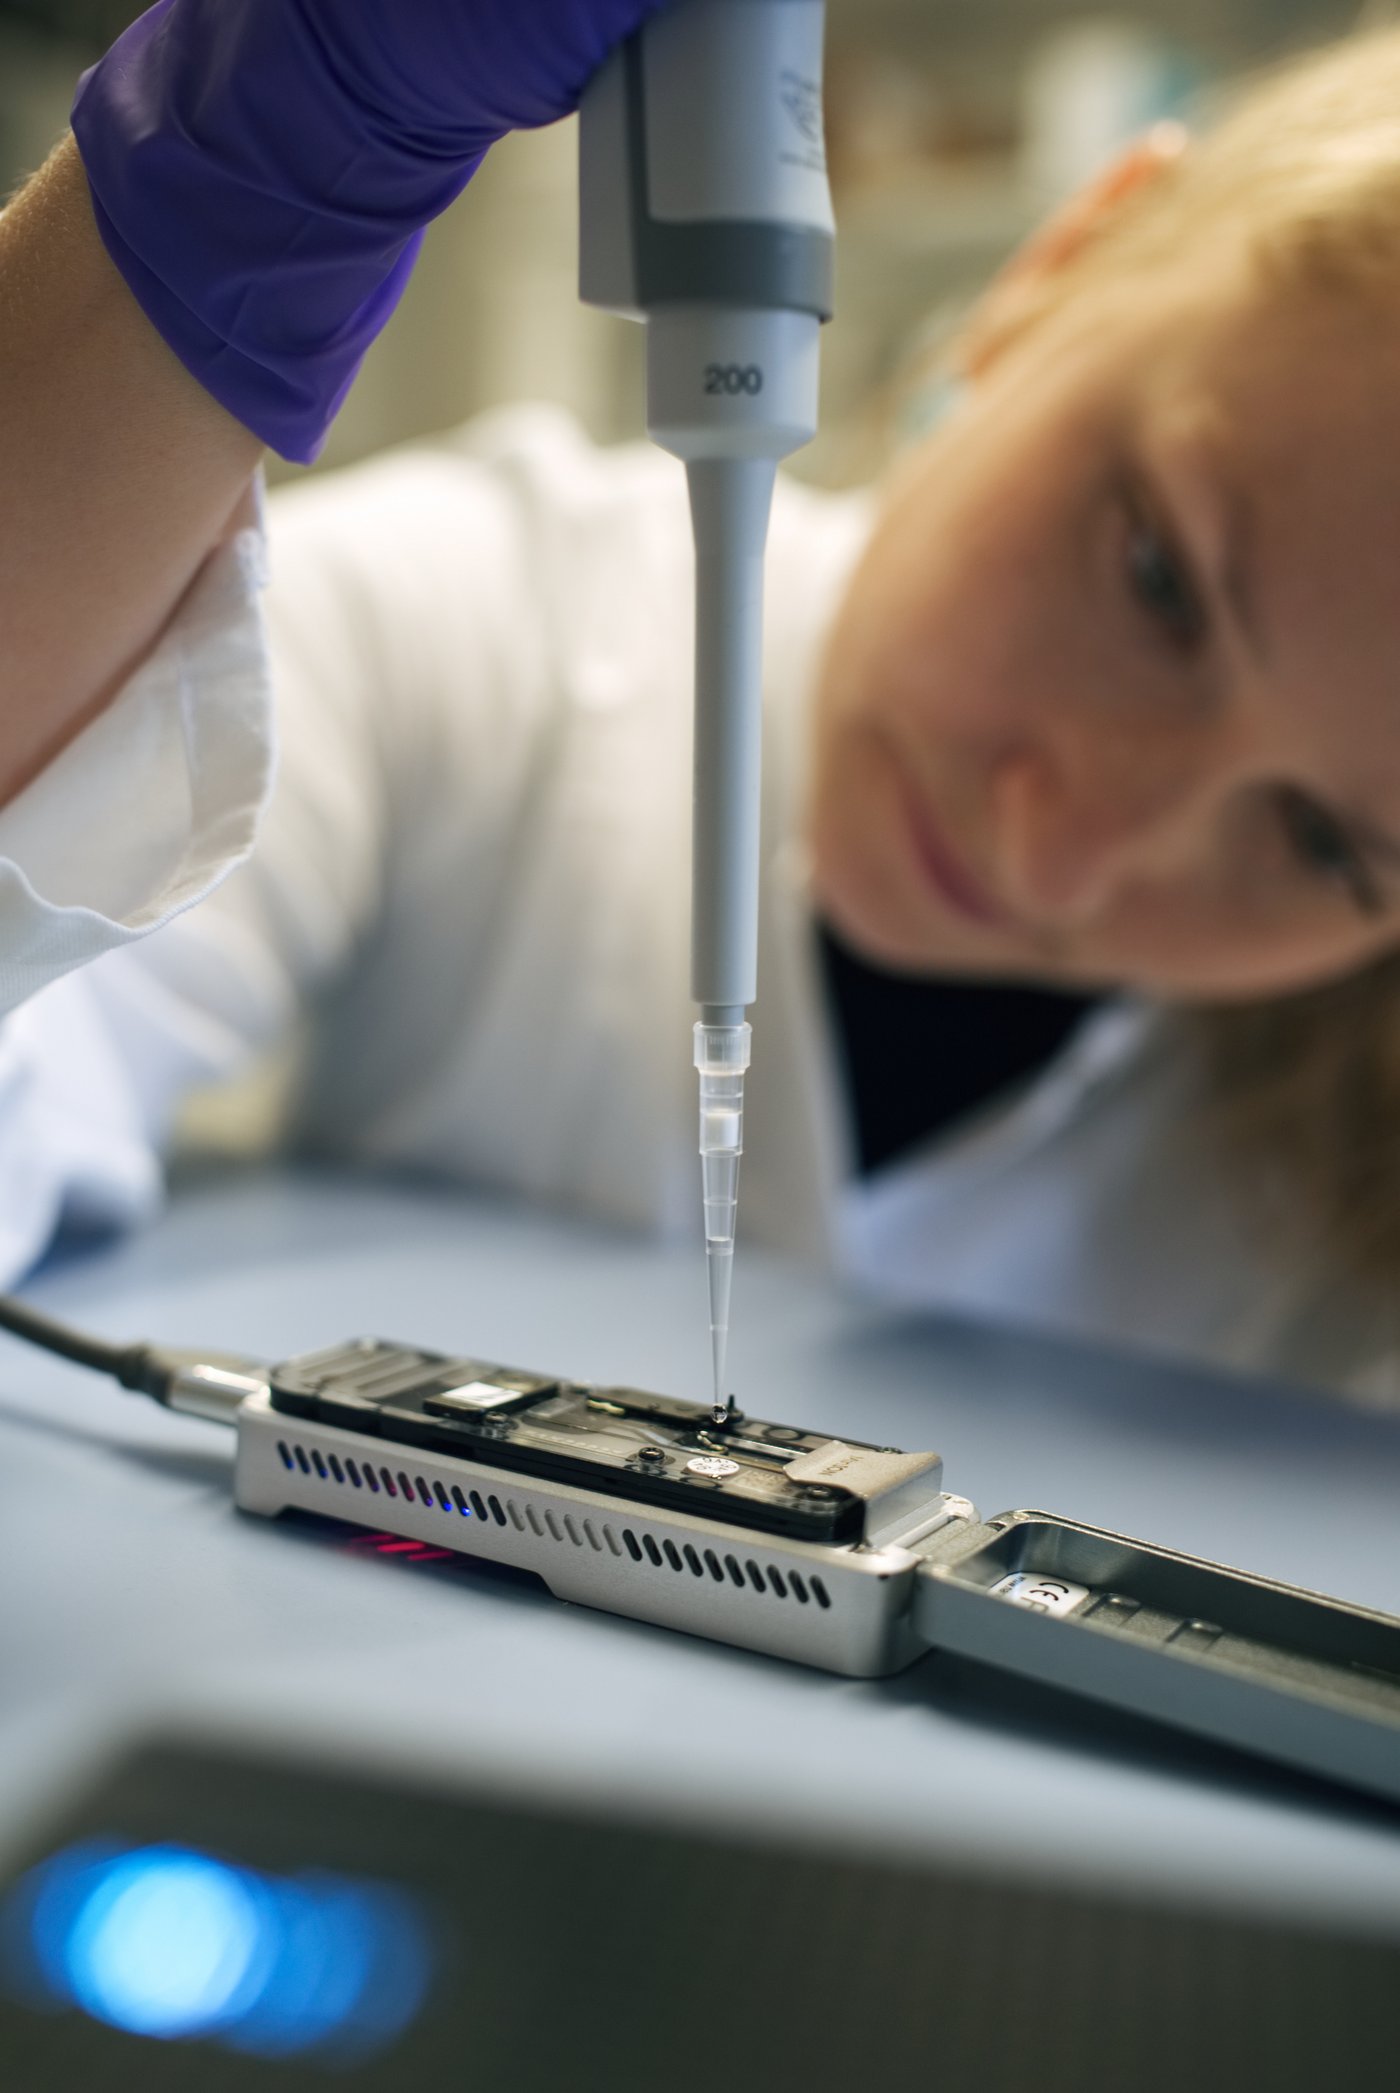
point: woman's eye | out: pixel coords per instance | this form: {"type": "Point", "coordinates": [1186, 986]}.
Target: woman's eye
{"type": "Point", "coordinates": [1323, 847]}
{"type": "Point", "coordinates": [1160, 584]}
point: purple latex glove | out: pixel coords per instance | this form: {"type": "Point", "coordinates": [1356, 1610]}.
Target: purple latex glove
{"type": "Point", "coordinates": [261, 170]}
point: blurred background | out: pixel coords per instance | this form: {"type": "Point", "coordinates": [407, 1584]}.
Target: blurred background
{"type": "Point", "coordinates": [953, 124]}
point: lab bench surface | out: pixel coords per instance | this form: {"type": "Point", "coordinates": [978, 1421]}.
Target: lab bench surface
{"type": "Point", "coordinates": [137, 1599]}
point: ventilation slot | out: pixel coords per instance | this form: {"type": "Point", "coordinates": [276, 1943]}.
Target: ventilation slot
{"type": "Point", "coordinates": [330, 1468]}
{"type": "Point", "coordinates": [745, 1575]}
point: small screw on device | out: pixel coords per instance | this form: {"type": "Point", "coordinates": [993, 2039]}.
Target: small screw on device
{"type": "Point", "coordinates": [489, 1427]}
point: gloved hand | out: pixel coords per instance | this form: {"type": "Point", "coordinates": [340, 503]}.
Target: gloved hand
{"type": "Point", "coordinates": [261, 170]}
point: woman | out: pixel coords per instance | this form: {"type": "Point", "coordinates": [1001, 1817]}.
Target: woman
{"type": "Point", "coordinates": [1081, 728]}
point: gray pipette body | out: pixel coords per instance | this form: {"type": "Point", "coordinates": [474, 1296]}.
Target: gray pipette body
{"type": "Point", "coordinates": [705, 211]}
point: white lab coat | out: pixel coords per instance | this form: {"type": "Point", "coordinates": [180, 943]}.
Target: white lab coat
{"type": "Point", "coordinates": [158, 797]}
{"type": "Point", "coordinates": [471, 896]}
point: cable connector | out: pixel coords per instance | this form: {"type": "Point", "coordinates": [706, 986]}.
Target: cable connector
{"type": "Point", "coordinates": [212, 1385]}
{"type": "Point", "coordinates": [196, 1383]}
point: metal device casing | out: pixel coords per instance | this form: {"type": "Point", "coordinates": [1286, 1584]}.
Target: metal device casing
{"type": "Point", "coordinates": [1307, 1681]}
{"type": "Point", "coordinates": [576, 1541]}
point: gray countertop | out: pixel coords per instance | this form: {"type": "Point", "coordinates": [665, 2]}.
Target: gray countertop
{"type": "Point", "coordinates": [136, 1597]}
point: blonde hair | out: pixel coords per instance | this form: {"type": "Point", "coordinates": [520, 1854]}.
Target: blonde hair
{"type": "Point", "coordinates": [1303, 171]}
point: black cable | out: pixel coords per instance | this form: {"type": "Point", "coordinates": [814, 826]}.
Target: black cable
{"type": "Point", "coordinates": [155, 1370]}
{"type": "Point", "coordinates": [27, 1323]}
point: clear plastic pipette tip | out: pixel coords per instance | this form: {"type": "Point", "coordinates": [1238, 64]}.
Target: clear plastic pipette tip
{"type": "Point", "coordinates": [719, 1260]}
{"type": "Point", "coordinates": [721, 1057]}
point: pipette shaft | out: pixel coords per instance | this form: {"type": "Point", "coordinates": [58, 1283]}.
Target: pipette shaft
{"type": "Point", "coordinates": [705, 211]}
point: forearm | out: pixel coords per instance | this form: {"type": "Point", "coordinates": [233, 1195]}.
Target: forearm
{"type": "Point", "coordinates": [120, 473]}
{"type": "Point", "coordinates": [254, 180]}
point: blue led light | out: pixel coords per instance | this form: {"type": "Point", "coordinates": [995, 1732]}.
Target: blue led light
{"type": "Point", "coordinates": [165, 1942]}
{"type": "Point", "coordinates": [162, 1943]}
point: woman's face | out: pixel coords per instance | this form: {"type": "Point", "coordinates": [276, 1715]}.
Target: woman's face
{"type": "Point", "coordinates": [1114, 695]}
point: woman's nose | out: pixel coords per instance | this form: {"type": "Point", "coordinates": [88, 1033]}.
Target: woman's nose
{"type": "Point", "coordinates": [1071, 830]}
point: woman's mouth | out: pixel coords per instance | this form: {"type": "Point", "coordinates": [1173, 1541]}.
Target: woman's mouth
{"type": "Point", "coordinates": [945, 873]}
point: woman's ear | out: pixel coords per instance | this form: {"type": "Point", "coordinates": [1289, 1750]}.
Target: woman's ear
{"type": "Point", "coordinates": [1015, 290]}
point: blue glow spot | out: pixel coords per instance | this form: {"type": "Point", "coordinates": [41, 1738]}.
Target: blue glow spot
{"type": "Point", "coordinates": [166, 1943]}
{"type": "Point", "coordinates": [162, 1943]}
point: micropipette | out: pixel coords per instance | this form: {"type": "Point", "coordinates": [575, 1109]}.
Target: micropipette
{"type": "Point", "coordinates": [704, 210]}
